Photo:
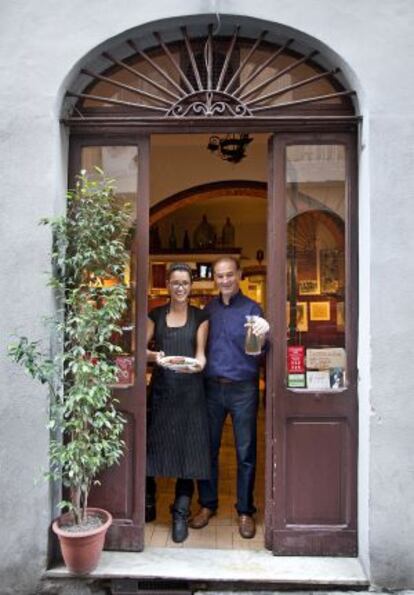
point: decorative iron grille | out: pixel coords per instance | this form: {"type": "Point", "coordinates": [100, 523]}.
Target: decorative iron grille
{"type": "Point", "coordinates": [209, 77]}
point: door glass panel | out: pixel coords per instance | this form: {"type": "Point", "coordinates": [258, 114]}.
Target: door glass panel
{"type": "Point", "coordinates": [121, 164]}
{"type": "Point", "coordinates": [315, 267]}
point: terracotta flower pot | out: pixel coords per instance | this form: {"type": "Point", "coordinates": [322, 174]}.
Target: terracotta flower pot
{"type": "Point", "coordinates": [81, 550]}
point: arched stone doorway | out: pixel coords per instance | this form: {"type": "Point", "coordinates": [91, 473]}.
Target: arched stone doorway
{"type": "Point", "coordinates": [304, 423]}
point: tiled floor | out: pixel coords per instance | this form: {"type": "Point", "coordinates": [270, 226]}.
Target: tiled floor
{"type": "Point", "coordinates": [222, 531]}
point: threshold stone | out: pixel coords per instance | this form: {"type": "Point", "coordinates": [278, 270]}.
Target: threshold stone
{"type": "Point", "coordinates": [255, 566]}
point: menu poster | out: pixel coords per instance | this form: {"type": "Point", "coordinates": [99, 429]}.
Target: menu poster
{"type": "Point", "coordinates": [295, 359]}
{"type": "Point", "coordinates": [296, 381]}
{"type": "Point", "coordinates": [125, 365]}
{"type": "Point", "coordinates": [318, 380]}
{"type": "Point", "coordinates": [325, 358]}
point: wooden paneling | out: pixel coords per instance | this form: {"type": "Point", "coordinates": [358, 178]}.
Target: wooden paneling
{"type": "Point", "coordinates": [312, 438]}
{"type": "Point", "coordinates": [119, 502]}
{"type": "Point", "coordinates": [122, 489]}
{"type": "Point", "coordinates": [315, 471]}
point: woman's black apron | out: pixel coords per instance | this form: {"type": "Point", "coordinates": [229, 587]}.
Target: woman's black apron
{"type": "Point", "coordinates": [178, 443]}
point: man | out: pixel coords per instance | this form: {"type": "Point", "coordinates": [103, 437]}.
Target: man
{"type": "Point", "coordinates": [231, 388]}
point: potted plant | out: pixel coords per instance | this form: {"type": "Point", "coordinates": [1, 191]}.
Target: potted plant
{"type": "Point", "coordinates": [88, 263]}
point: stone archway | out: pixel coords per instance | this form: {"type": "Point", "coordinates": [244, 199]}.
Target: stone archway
{"type": "Point", "coordinates": [129, 121]}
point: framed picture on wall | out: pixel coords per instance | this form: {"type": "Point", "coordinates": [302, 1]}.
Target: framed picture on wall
{"type": "Point", "coordinates": [302, 324]}
{"type": "Point", "coordinates": [309, 287]}
{"type": "Point", "coordinates": [331, 265]}
{"type": "Point", "coordinates": [320, 311]}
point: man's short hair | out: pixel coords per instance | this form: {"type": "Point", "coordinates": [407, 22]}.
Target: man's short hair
{"type": "Point", "coordinates": [227, 259]}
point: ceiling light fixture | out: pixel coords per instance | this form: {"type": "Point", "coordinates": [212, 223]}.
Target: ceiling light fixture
{"type": "Point", "coordinates": [230, 148]}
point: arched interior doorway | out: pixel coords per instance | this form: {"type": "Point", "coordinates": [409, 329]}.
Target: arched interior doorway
{"type": "Point", "coordinates": [246, 85]}
{"type": "Point", "coordinates": [242, 205]}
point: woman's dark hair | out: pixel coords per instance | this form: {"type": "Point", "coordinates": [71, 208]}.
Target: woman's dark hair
{"type": "Point", "coordinates": [180, 266]}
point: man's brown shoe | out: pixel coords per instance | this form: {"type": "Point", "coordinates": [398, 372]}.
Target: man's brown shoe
{"type": "Point", "coordinates": [247, 526]}
{"type": "Point", "coordinates": [202, 517]}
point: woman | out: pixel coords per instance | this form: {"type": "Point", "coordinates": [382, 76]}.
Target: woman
{"type": "Point", "coordinates": [178, 427]}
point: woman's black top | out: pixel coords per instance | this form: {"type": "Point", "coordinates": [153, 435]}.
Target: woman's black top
{"type": "Point", "coordinates": [178, 443]}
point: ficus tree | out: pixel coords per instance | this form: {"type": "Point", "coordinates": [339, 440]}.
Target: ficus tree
{"type": "Point", "coordinates": [88, 264]}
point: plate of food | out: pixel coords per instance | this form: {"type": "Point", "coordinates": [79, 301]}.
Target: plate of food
{"type": "Point", "coordinates": [179, 363]}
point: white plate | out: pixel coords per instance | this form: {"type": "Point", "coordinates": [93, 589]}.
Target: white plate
{"type": "Point", "coordinates": [178, 362]}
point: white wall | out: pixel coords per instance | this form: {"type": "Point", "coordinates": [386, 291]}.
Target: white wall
{"type": "Point", "coordinates": [41, 45]}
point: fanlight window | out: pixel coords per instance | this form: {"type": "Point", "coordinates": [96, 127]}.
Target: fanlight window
{"type": "Point", "coordinates": [220, 77]}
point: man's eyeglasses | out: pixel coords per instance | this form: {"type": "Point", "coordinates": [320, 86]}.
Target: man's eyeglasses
{"type": "Point", "coordinates": [177, 284]}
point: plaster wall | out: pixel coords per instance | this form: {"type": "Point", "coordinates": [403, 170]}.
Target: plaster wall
{"type": "Point", "coordinates": [42, 44]}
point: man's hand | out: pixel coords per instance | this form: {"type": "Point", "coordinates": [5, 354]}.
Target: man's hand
{"type": "Point", "coordinates": [260, 326]}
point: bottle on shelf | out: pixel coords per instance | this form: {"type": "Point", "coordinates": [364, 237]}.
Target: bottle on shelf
{"type": "Point", "coordinates": [155, 240]}
{"type": "Point", "coordinates": [172, 240]}
{"type": "Point", "coordinates": [186, 241]}
{"type": "Point", "coordinates": [204, 235]}
{"type": "Point", "coordinates": [228, 234]}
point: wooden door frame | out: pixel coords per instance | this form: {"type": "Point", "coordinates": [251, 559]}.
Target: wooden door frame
{"type": "Point", "coordinates": [286, 130]}
{"type": "Point", "coordinates": [276, 385]}
{"type": "Point", "coordinates": [131, 530]}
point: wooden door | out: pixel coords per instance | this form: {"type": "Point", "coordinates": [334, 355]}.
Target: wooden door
{"type": "Point", "coordinates": [122, 489]}
{"type": "Point", "coordinates": [312, 367]}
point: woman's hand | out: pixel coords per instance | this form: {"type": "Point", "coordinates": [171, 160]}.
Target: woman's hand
{"type": "Point", "coordinates": [158, 357]}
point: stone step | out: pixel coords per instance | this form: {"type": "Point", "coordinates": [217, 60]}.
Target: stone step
{"type": "Point", "coordinates": [215, 568]}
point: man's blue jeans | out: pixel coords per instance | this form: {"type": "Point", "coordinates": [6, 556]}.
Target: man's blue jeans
{"type": "Point", "coordinates": [240, 400]}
